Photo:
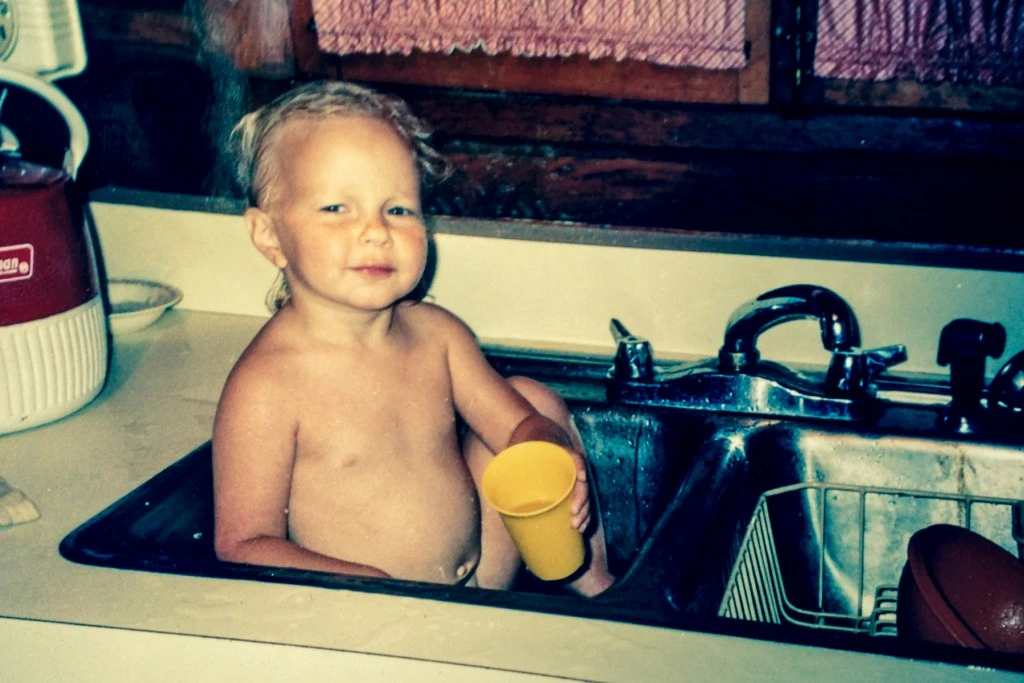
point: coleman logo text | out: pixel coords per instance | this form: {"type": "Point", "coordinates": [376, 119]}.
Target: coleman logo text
{"type": "Point", "coordinates": [16, 262]}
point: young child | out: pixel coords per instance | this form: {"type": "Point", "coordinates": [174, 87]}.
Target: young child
{"type": "Point", "coordinates": [335, 445]}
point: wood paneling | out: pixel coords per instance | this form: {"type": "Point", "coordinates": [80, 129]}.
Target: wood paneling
{"type": "Point", "coordinates": [156, 28]}
{"type": "Point", "coordinates": [159, 100]}
{"type": "Point", "coordinates": [793, 195]}
{"type": "Point", "coordinates": [608, 124]}
{"type": "Point", "coordinates": [906, 94]}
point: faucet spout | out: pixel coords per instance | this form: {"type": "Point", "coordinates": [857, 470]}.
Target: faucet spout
{"type": "Point", "coordinates": [737, 382]}
{"type": "Point", "coordinates": [839, 329]}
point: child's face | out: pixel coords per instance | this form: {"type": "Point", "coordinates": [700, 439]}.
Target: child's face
{"type": "Point", "coordinates": [344, 213]}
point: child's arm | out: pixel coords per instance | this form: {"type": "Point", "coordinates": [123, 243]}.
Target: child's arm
{"type": "Point", "coordinates": [500, 416]}
{"type": "Point", "coordinates": [253, 454]}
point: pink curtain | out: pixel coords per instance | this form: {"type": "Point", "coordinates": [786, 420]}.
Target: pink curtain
{"type": "Point", "coordinates": [699, 33]}
{"type": "Point", "coordinates": [963, 41]}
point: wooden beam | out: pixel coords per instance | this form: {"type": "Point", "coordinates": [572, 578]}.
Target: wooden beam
{"type": "Point", "coordinates": [906, 94]}
{"type": "Point", "coordinates": [753, 86]}
{"type": "Point", "coordinates": [575, 75]}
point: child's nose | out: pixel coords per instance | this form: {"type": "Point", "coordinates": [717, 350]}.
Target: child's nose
{"type": "Point", "coordinates": [376, 230]}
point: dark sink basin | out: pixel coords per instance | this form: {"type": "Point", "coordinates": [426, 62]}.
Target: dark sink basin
{"type": "Point", "coordinates": [638, 459]}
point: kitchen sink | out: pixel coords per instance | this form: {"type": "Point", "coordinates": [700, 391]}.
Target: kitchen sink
{"type": "Point", "coordinates": [784, 529]}
{"type": "Point", "coordinates": [797, 530]}
{"type": "Point", "coordinates": [637, 459]}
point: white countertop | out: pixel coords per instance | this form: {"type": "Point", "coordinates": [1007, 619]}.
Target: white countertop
{"type": "Point", "coordinates": [157, 405]}
{"type": "Point", "coordinates": [64, 621]}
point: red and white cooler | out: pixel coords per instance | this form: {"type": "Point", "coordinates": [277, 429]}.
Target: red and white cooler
{"type": "Point", "coordinates": [53, 330]}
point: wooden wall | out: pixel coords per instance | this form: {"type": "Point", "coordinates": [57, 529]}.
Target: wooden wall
{"type": "Point", "coordinates": [163, 87]}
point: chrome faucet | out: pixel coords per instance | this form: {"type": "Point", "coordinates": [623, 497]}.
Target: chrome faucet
{"type": "Point", "coordinates": [852, 370]}
{"type": "Point", "coordinates": [839, 330]}
{"type": "Point", "coordinates": [738, 381]}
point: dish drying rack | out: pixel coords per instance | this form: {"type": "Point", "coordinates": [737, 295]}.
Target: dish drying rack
{"type": "Point", "coordinates": [759, 588]}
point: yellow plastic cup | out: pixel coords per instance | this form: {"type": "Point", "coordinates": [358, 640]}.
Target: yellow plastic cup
{"type": "Point", "coordinates": [530, 485]}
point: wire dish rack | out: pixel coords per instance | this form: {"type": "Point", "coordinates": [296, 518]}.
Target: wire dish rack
{"type": "Point", "coordinates": [829, 557]}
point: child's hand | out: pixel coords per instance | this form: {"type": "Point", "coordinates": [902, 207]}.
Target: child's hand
{"type": "Point", "coordinates": [580, 504]}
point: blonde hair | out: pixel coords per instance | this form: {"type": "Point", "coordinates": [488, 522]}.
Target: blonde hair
{"type": "Point", "coordinates": [253, 137]}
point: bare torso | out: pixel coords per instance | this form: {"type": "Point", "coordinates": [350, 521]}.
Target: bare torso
{"type": "Point", "coordinates": [378, 475]}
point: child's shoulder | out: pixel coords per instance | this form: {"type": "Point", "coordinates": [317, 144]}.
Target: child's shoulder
{"type": "Point", "coordinates": [266, 359]}
{"type": "Point", "coordinates": [429, 317]}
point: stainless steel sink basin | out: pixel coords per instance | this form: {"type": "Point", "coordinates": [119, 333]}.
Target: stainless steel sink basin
{"type": "Point", "coordinates": [800, 529]}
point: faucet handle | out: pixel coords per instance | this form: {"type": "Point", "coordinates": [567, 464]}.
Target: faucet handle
{"type": "Point", "coordinates": [1007, 390]}
{"type": "Point", "coordinates": [855, 371]}
{"type": "Point", "coordinates": [633, 356]}
{"type": "Point", "coordinates": [885, 357]}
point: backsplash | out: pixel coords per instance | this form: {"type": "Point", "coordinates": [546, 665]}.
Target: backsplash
{"type": "Point", "coordinates": [550, 293]}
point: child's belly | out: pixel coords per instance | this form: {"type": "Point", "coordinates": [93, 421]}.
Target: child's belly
{"type": "Point", "coordinates": [416, 519]}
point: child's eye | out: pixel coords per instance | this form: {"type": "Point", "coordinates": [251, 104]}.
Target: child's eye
{"type": "Point", "coordinates": [401, 211]}
{"type": "Point", "coordinates": [333, 208]}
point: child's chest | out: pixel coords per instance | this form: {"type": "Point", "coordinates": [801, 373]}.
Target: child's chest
{"type": "Point", "coordinates": [387, 404]}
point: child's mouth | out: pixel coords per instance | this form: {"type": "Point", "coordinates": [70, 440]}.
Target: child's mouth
{"type": "Point", "coordinates": [374, 270]}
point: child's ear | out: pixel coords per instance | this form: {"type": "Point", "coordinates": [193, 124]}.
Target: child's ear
{"type": "Point", "coordinates": [264, 237]}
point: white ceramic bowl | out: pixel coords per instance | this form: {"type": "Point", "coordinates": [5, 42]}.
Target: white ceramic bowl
{"type": "Point", "coordinates": [135, 304]}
